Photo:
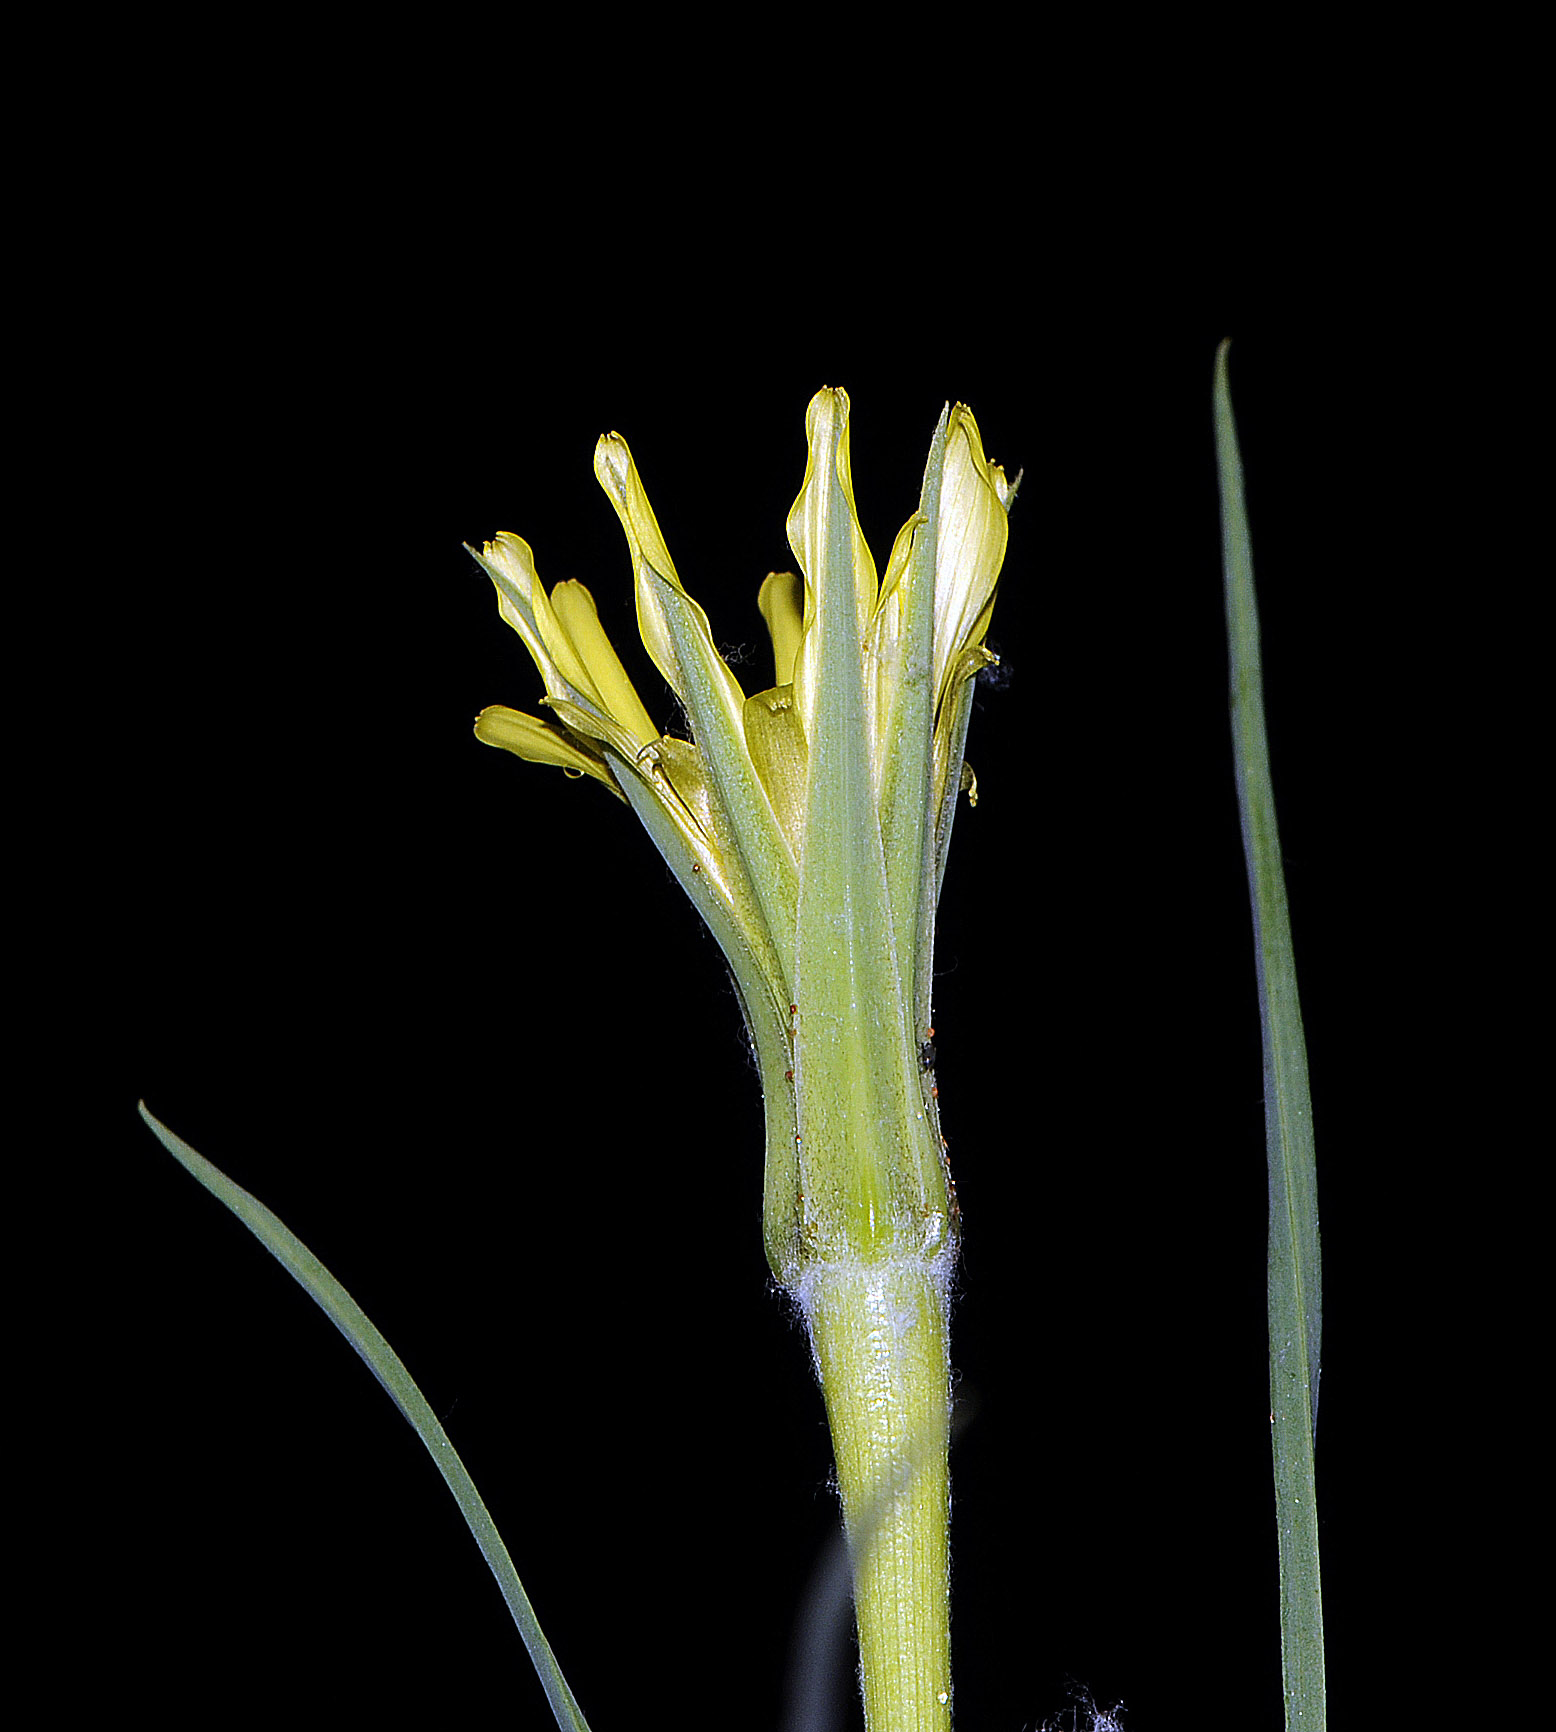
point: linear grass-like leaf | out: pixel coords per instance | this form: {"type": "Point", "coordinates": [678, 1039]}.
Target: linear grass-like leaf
{"type": "Point", "coordinates": [385, 1364]}
{"type": "Point", "coordinates": [1294, 1298]}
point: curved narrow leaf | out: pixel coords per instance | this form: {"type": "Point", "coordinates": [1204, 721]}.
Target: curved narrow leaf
{"type": "Point", "coordinates": [1294, 1300]}
{"type": "Point", "coordinates": [384, 1363]}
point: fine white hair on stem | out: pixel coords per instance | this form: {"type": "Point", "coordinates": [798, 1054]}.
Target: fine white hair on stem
{"type": "Point", "coordinates": [824, 1624]}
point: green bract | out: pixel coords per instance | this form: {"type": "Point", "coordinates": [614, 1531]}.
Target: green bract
{"type": "Point", "coordinates": [807, 822]}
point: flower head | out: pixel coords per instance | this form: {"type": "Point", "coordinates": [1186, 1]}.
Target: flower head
{"type": "Point", "coordinates": [808, 822]}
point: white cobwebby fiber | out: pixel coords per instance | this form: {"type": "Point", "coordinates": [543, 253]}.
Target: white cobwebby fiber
{"type": "Point", "coordinates": [1086, 1716]}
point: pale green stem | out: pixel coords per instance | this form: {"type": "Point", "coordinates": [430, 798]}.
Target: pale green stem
{"type": "Point", "coordinates": [879, 1331]}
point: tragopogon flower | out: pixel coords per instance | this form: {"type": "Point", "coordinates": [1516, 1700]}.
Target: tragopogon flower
{"type": "Point", "coordinates": [807, 822]}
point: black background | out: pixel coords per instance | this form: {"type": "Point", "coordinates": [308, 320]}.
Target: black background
{"type": "Point", "coordinates": [448, 1015]}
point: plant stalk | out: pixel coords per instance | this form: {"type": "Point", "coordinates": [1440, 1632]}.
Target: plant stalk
{"type": "Point", "coordinates": [879, 1332]}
